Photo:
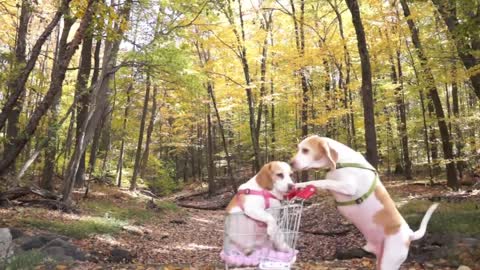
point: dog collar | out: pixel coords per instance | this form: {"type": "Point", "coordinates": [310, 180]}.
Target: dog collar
{"type": "Point", "coordinates": [362, 198]}
{"type": "Point", "coordinates": [265, 194]}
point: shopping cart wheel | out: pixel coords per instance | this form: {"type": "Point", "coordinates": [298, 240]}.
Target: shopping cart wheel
{"type": "Point", "coordinates": [269, 265]}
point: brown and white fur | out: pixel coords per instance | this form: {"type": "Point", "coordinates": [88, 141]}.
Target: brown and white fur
{"type": "Point", "coordinates": [387, 233]}
{"type": "Point", "coordinates": [274, 177]}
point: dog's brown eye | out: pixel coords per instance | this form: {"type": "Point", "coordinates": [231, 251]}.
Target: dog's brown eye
{"type": "Point", "coordinates": [305, 150]}
{"type": "Point", "coordinates": [280, 175]}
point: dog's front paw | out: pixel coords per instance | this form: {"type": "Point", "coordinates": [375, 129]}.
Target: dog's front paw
{"type": "Point", "coordinates": [300, 185]}
{"type": "Point", "coordinates": [283, 247]}
{"type": "Point", "coordinates": [272, 229]}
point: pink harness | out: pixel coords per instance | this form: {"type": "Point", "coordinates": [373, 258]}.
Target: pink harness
{"type": "Point", "coordinates": [266, 198]}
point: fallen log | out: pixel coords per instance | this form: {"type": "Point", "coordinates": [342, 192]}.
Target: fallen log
{"type": "Point", "coordinates": [19, 192]}
{"type": "Point", "coordinates": [220, 206]}
{"type": "Point", "coordinates": [49, 204]}
{"type": "Point", "coordinates": [14, 194]}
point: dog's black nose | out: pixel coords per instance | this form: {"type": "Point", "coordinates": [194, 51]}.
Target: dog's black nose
{"type": "Point", "coordinates": [290, 186]}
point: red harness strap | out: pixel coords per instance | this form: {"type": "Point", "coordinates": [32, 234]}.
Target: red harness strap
{"type": "Point", "coordinates": [266, 196]}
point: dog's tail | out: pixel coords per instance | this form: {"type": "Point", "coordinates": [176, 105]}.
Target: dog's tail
{"type": "Point", "coordinates": [423, 226]}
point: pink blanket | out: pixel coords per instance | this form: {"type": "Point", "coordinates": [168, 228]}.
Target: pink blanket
{"type": "Point", "coordinates": [236, 258]}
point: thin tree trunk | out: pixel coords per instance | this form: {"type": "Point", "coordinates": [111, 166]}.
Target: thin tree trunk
{"type": "Point", "coordinates": [51, 149]}
{"type": "Point", "coordinates": [136, 168]}
{"type": "Point", "coordinates": [222, 134]}
{"type": "Point", "coordinates": [12, 85]}
{"type": "Point", "coordinates": [98, 99]}
{"type": "Point", "coordinates": [40, 145]}
{"type": "Point", "coordinates": [210, 168]}
{"type": "Point", "coordinates": [267, 22]}
{"type": "Point", "coordinates": [459, 144]}
{"type": "Point", "coordinates": [151, 124]}
{"type": "Point", "coordinates": [452, 180]}
{"type": "Point", "coordinates": [367, 94]}
{"type": "Point", "coordinates": [24, 73]}
{"type": "Point", "coordinates": [95, 143]}
{"type": "Point", "coordinates": [300, 45]}
{"type": "Point", "coordinates": [346, 90]}
{"type": "Point", "coordinates": [402, 127]}
{"type": "Point", "coordinates": [55, 86]}
{"type": "Point", "coordinates": [465, 45]}
{"type": "Point", "coordinates": [81, 94]}
{"type": "Point", "coordinates": [124, 130]}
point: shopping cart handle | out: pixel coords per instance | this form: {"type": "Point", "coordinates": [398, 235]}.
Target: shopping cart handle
{"type": "Point", "coordinates": [303, 194]}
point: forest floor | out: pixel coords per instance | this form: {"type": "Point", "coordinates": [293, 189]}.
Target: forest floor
{"type": "Point", "coordinates": [161, 235]}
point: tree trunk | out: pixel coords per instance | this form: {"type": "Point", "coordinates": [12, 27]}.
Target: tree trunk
{"type": "Point", "coordinates": [402, 127]}
{"type": "Point", "coordinates": [346, 90]}
{"type": "Point", "coordinates": [96, 141]}
{"type": "Point", "coordinates": [267, 23]}
{"type": "Point", "coordinates": [124, 130]}
{"type": "Point", "coordinates": [459, 140]}
{"type": "Point", "coordinates": [136, 168]}
{"type": "Point", "coordinates": [465, 45]}
{"type": "Point", "coordinates": [60, 69]}
{"type": "Point", "coordinates": [24, 73]}
{"type": "Point", "coordinates": [13, 87]}
{"type": "Point", "coordinates": [452, 180]}
{"type": "Point", "coordinates": [98, 101]}
{"type": "Point", "coordinates": [52, 140]}
{"type": "Point", "coordinates": [367, 95]}
{"type": "Point", "coordinates": [81, 95]}
{"type": "Point", "coordinates": [241, 52]}
{"type": "Point", "coordinates": [210, 166]}
{"type": "Point", "coordinates": [300, 45]}
{"type": "Point", "coordinates": [151, 124]}
{"type": "Point", "coordinates": [224, 141]}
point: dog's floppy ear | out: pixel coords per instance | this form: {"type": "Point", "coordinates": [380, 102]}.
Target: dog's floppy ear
{"type": "Point", "coordinates": [264, 177]}
{"type": "Point", "coordinates": [330, 153]}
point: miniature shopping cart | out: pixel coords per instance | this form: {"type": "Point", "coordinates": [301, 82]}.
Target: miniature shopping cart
{"type": "Point", "coordinates": [246, 243]}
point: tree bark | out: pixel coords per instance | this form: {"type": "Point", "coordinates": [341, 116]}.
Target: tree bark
{"type": "Point", "coordinates": [267, 23]}
{"type": "Point", "coordinates": [345, 85]}
{"type": "Point", "coordinates": [97, 102]}
{"type": "Point", "coordinates": [367, 94]}
{"type": "Point", "coordinates": [136, 168]}
{"type": "Point", "coordinates": [124, 130]}
{"type": "Point", "coordinates": [151, 125]}
{"type": "Point", "coordinates": [402, 127]}
{"type": "Point", "coordinates": [210, 165]}
{"type": "Point", "coordinates": [241, 52]}
{"type": "Point", "coordinates": [465, 45]}
{"type": "Point", "coordinates": [48, 99]}
{"type": "Point", "coordinates": [24, 73]}
{"type": "Point", "coordinates": [51, 149]}
{"type": "Point", "coordinates": [452, 180]}
{"type": "Point", "coordinates": [459, 140]}
{"type": "Point", "coordinates": [81, 95]}
{"type": "Point", "coordinates": [300, 45]}
{"type": "Point", "coordinates": [18, 62]}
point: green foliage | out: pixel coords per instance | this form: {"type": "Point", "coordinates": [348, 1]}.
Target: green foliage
{"type": "Point", "coordinates": [456, 218]}
{"type": "Point", "coordinates": [162, 174]}
{"type": "Point", "coordinates": [79, 228]}
{"type": "Point", "coordinates": [24, 261]}
{"type": "Point", "coordinates": [124, 212]}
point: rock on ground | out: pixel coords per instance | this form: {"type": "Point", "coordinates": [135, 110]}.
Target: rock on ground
{"type": "Point", "coordinates": [5, 243]}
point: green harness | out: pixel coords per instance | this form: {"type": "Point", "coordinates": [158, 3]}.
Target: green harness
{"type": "Point", "coordinates": [370, 190]}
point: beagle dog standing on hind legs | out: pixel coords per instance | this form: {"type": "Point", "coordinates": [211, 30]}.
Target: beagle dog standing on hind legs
{"type": "Point", "coordinates": [361, 198]}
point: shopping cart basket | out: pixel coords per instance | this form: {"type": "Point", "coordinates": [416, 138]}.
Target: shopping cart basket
{"type": "Point", "coordinates": [256, 248]}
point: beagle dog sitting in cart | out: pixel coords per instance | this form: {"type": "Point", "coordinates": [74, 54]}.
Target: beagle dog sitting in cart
{"type": "Point", "coordinates": [361, 198]}
{"type": "Point", "coordinates": [263, 191]}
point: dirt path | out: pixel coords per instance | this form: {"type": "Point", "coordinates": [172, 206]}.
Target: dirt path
{"type": "Point", "coordinates": [193, 239]}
